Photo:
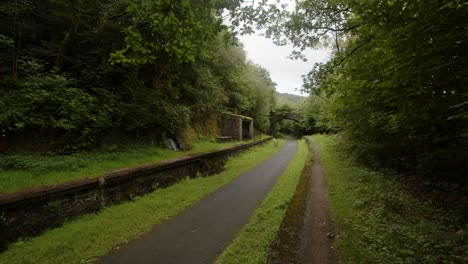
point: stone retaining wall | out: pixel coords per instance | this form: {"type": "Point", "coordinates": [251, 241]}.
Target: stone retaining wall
{"type": "Point", "coordinates": [29, 212]}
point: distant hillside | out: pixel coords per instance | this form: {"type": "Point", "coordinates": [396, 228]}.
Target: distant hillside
{"type": "Point", "coordinates": [291, 99]}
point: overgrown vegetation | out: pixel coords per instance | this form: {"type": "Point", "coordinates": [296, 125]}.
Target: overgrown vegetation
{"type": "Point", "coordinates": [73, 71]}
{"type": "Point", "coordinates": [93, 235]}
{"type": "Point", "coordinates": [395, 91]}
{"type": "Point", "coordinates": [252, 244]}
{"type": "Point", "coordinates": [382, 219]}
{"type": "Point", "coordinates": [395, 86]}
{"type": "Point", "coordinates": [21, 171]}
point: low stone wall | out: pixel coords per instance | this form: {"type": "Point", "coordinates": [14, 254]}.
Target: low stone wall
{"type": "Point", "coordinates": [29, 212]}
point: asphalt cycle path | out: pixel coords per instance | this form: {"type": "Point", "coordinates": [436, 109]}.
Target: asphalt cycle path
{"type": "Point", "coordinates": [200, 233]}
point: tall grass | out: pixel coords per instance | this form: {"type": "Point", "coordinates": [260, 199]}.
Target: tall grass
{"type": "Point", "coordinates": [380, 220]}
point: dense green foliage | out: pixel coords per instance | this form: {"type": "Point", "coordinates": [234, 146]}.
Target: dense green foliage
{"type": "Point", "coordinates": [381, 219]}
{"type": "Point", "coordinates": [72, 69]}
{"type": "Point", "coordinates": [395, 87]}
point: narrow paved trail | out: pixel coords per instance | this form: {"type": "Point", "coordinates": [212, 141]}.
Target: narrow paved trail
{"type": "Point", "coordinates": [200, 233]}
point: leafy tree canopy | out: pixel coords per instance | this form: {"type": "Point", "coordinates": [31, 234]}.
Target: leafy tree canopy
{"type": "Point", "coordinates": [395, 86]}
{"type": "Point", "coordinates": [72, 70]}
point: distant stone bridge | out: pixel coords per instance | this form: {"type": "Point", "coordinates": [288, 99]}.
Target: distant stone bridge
{"type": "Point", "coordinates": [289, 115]}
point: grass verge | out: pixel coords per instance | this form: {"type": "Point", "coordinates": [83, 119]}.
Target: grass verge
{"type": "Point", "coordinates": [22, 171]}
{"type": "Point", "coordinates": [93, 235]}
{"type": "Point", "coordinates": [252, 244]}
{"type": "Point", "coordinates": [380, 220]}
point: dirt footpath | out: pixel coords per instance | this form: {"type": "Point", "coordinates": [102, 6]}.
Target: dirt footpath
{"type": "Point", "coordinates": [307, 233]}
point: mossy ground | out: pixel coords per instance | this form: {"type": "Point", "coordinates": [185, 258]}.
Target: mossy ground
{"type": "Point", "coordinates": [286, 246]}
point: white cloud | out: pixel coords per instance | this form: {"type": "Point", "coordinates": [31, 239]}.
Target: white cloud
{"type": "Point", "coordinates": [285, 72]}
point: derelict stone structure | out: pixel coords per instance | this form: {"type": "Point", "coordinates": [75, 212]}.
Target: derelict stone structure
{"type": "Point", "coordinates": [237, 127]}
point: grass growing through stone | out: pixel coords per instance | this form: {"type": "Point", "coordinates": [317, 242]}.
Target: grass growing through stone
{"type": "Point", "coordinates": [94, 235]}
{"type": "Point", "coordinates": [21, 171]}
{"type": "Point", "coordinates": [252, 243]}
{"type": "Point", "coordinates": [380, 220]}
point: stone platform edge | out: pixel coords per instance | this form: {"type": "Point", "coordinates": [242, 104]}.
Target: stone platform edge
{"type": "Point", "coordinates": [31, 211]}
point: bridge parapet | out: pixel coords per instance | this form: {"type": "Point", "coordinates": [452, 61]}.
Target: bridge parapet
{"type": "Point", "coordinates": [292, 115]}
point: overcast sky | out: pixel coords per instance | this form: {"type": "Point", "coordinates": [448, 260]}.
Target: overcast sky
{"type": "Point", "coordinates": [285, 72]}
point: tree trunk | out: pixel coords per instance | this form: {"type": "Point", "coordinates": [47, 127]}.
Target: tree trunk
{"type": "Point", "coordinates": [69, 36]}
{"type": "Point", "coordinates": [16, 46]}
{"type": "Point", "coordinates": [62, 50]}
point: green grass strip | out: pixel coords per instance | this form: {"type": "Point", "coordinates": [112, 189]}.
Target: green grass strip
{"type": "Point", "coordinates": [94, 235]}
{"type": "Point", "coordinates": [252, 244]}
{"type": "Point", "coordinates": [380, 220]}
{"type": "Point", "coordinates": [21, 171]}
